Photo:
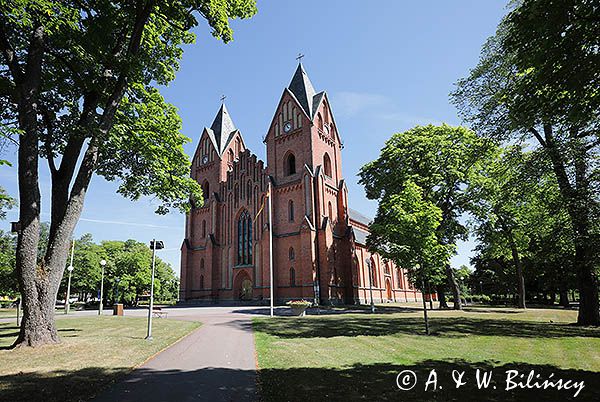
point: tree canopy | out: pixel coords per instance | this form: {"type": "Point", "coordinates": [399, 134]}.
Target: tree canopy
{"type": "Point", "coordinates": [80, 87]}
{"type": "Point", "coordinates": [424, 170]}
{"type": "Point", "coordinates": [538, 81]}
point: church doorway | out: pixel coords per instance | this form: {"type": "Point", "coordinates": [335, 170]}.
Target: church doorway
{"type": "Point", "coordinates": [243, 286]}
{"type": "Point", "coordinates": [388, 289]}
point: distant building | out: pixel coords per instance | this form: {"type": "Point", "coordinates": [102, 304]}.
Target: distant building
{"type": "Point", "coordinates": [319, 247]}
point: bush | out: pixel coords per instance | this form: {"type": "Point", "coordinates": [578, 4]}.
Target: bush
{"type": "Point", "coordinates": [473, 299]}
{"type": "Point", "coordinates": [8, 303]}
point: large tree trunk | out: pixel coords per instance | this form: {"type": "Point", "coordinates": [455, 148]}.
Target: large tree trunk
{"type": "Point", "coordinates": [442, 297]}
{"type": "Point", "coordinates": [578, 201]}
{"type": "Point", "coordinates": [520, 276]}
{"type": "Point", "coordinates": [455, 288]}
{"type": "Point", "coordinates": [564, 295]}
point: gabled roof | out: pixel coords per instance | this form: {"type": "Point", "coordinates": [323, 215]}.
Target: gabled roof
{"type": "Point", "coordinates": [360, 236]}
{"type": "Point", "coordinates": [222, 130]}
{"type": "Point", "coordinates": [358, 217]}
{"type": "Point", "coordinates": [303, 90]}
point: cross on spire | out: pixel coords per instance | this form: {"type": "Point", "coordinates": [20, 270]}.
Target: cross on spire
{"type": "Point", "coordinates": [223, 97]}
{"type": "Point", "coordinates": [299, 57]}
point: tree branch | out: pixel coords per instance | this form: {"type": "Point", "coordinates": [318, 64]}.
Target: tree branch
{"type": "Point", "coordinates": [47, 118]}
{"type": "Point", "coordinates": [537, 135]}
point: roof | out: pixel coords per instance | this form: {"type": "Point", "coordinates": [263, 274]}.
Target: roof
{"type": "Point", "coordinates": [221, 130]}
{"type": "Point", "coordinates": [358, 217]}
{"type": "Point", "coordinates": [303, 90]}
{"type": "Point", "coordinates": [360, 236]}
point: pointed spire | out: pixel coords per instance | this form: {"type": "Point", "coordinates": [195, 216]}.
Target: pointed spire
{"type": "Point", "coordinates": [302, 89]}
{"type": "Point", "coordinates": [222, 127]}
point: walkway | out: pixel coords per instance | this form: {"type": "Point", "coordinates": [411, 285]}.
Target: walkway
{"type": "Point", "coordinates": [215, 363]}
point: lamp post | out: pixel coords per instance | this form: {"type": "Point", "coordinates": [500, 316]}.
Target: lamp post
{"type": "Point", "coordinates": [370, 267]}
{"type": "Point", "coordinates": [68, 301]}
{"type": "Point", "coordinates": [100, 307]}
{"type": "Point", "coordinates": [154, 245]}
{"type": "Point", "coordinates": [70, 269]}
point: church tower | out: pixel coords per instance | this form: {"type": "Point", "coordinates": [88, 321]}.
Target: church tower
{"type": "Point", "coordinates": [310, 197]}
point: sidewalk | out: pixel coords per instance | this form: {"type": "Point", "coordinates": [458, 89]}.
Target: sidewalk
{"type": "Point", "coordinates": [214, 363]}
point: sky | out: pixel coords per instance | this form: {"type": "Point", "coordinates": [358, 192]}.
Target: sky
{"type": "Point", "coordinates": [386, 67]}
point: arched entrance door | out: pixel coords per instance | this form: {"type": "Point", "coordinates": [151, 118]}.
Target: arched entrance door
{"type": "Point", "coordinates": [243, 286]}
{"type": "Point", "coordinates": [388, 289]}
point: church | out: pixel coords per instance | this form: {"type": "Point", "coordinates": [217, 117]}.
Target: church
{"type": "Point", "coordinates": [318, 243]}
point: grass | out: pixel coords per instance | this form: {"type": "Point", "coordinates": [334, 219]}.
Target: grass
{"type": "Point", "coordinates": [8, 312]}
{"type": "Point", "coordinates": [94, 352]}
{"type": "Point", "coordinates": [347, 357]}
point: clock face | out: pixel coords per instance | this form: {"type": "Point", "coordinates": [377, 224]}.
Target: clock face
{"type": "Point", "coordinates": [205, 159]}
{"type": "Point", "coordinates": [287, 126]}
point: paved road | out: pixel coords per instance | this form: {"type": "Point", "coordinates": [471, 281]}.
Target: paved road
{"type": "Point", "coordinates": [215, 363]}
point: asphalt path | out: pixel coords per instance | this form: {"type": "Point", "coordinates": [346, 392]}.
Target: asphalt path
{"type": "Point", "coordinates": [216, 362]}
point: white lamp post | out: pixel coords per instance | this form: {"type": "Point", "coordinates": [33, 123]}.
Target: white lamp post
{"type": "Point", "coordinates": [68, 301]}
{"type": "Point", "coordinates": [70, 269]}
{"type": "Point", "coordinates": [154, 245]}
{"type": "Point", "coordinates": [100, 307]}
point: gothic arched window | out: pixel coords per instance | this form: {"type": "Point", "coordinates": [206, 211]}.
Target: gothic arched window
{"type": "Point", "coordinates": [291, 211]}
{"type": "Point", "coordinates": [244, 239]}
{"type": "Point", "coordinates": [292, 276]}
{"type": "Point", "coordinates": [292, 253]}
{"type": "Point", "coordinates": [203, 228]}
{"type": "Point", "coordinates": [290, 164]}
{"type": "Point", "coordinates": [205, 190]}
{"type": "Point", "coordinates": [201, 281]}
{"type": "Point", "coordinates": [330, 210]}
{"type": "Point", "coordinates": [327, 164]}
{"type": "Point", "coordinates": [202, 264]}
{"type": "Point", "coordinates": [319, 121]}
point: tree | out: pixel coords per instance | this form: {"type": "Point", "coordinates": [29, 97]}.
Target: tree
{"type": "Point", "coordinates": [538, 78]}
{"type": "Point", "coordinates": [79, 85]}
{"type": "Point", "coordinates": [405, 231]}
{"type": "Point", "coordinates": [499, 205]}
{"type": "Point", "coordinates": [438, 159]}
{"type": "Point", "coordinates": [8, 279]}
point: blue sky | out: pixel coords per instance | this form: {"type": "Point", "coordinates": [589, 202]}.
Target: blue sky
{"type": "Point", "coordinates": [386, 66]}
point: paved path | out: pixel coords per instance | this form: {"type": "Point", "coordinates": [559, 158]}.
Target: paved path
{"type": "Point", "coordinates": [215, 363]}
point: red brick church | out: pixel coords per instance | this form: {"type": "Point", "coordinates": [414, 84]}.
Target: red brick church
{"type": "Point", "coordinates": [319, 250]}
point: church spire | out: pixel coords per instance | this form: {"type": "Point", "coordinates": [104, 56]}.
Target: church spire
{"type": "Point", "coordinates": [222, 128]}
{"type": "Point", "coordinates": [302, 89]}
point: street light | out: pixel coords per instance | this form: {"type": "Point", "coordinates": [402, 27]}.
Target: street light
{"type": "Point", "coordinates": [68, 301]}
{"type": "Point", "coordinates": [369, 265]}
{"type": "Point", "coordinates": [102, 264]}
{"type": "Point", "coordinates": [70, 269]}
{"type": "Point", "coordinates": [154, 245]}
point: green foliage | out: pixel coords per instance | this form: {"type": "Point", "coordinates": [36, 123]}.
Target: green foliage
{"type": "Point", "coordinates": [8, 277]}
{"type": "Point", "coordinates": [6, 203]}
{"type": "Point", "coordinates": [127, 271]}
{"type": "Point", "coordinates": [102, 63]}
{"type": "Point", "coordinates": [419, 180]}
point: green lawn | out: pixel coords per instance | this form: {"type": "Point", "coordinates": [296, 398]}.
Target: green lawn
{"type": "Point", "coordinates": [94, 352]}
{"type": "Point", "coordinates": [8, 312]}
{"type": "Point", "coordinates": [348, 357]}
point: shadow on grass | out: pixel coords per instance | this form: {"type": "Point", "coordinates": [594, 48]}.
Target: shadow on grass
{"type": "Point", "coordinates": [378, 382]}
{"type": "Point", "coordinates": [375, 382]}
{"type": "Point", "coordinates": [328, 327]}
{"type": "Point", "coordinates": [124, 385]}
